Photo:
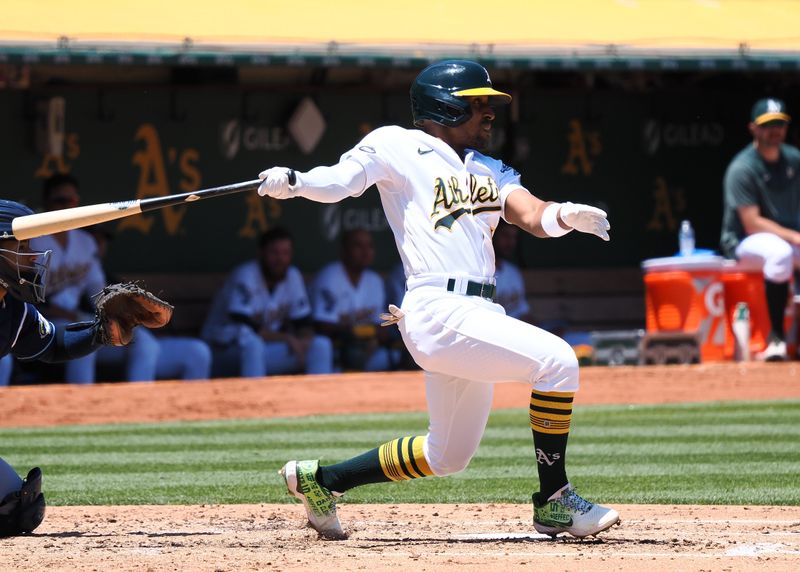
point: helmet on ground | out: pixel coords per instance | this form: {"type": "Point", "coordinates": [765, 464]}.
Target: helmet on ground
{"type": "Point", "coordinates": [439, 92]}
{"type": "Point", "coordinates": [22, 273]}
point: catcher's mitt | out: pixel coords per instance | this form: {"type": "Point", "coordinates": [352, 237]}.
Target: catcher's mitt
{"type": "Point", "coordinates": [122, 307]}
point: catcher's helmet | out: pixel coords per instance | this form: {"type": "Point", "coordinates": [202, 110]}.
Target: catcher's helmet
{"type": "Point", "coordinates": [439, 90]}
{"type": "Point", "coordinates": [22, 272]}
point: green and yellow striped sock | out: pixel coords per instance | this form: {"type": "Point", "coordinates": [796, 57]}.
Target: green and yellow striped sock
{"type": "Point", "coordinates": [550, 417]}
{"type": "Point", "coordinates": [398, 460]}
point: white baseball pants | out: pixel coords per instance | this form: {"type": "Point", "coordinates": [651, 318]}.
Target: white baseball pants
{"type": "Point", "coordinates": [777, 257]}
{"type": "Point", "coordinates": [465, 344]}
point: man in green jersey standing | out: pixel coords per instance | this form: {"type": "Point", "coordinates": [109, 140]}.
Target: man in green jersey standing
{"type": "Point", "coordinates": [761, 220]}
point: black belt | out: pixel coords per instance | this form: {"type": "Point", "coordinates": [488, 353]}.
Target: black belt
{"type": "Point", "coordinates": [487, 291]}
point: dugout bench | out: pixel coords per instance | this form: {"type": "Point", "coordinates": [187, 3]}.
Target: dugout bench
{"type": "Point", "coordinates": [569, 299]}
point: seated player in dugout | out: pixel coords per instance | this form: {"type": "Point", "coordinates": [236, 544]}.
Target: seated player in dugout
{"type": "Point", "coordinates": [76, 275]}
{"type": "Point", "coordinates": [761, 215]}
{"type": "Point", "coordinates": [347, 297]}
{"type": "Point", "coordinates": [29, 336]}
{"type": "Point", "coordinates": [260, 323]}
{"type": "Point", "coordinates": [74, 271]}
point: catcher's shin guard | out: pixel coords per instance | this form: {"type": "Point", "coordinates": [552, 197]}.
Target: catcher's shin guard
{"type": "Point", "coordinates": [23, 510]}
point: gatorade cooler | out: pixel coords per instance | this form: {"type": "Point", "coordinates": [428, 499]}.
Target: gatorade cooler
{"type": "Point", "coordinates": [685, 294]}
{"type": "Point", "coordinates": [745, 283]}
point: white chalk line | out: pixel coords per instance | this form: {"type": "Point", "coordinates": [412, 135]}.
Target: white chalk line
{"type": "Point", "coordinates": [505, 554]}
{"type": "Point", "coordinates": [654, 520]}
{"type": "Point", "coordinates": [759, 549]}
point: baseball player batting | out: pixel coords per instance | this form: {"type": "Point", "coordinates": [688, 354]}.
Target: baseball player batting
{"type": "Point", "coordinates": [443, 199]}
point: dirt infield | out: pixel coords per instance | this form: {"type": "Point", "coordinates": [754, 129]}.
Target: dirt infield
{"type": "Point", "coordinates": [288, 396]}
{"type": "Point", "coordinates": [424, 537]}
{"type": "Point", "coordinates": [428, 537]}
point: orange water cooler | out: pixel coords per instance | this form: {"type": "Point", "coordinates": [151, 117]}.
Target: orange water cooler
{"type": "Point", "coordinates": [685, 294]}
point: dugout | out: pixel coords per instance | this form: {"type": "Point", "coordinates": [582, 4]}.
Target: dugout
{"type": "Point", "coordinates": [636, 107]}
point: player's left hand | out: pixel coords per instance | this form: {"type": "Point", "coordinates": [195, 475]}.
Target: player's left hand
{"type": "Point", "coordinates": [119, 308]}
{"type": "Point", "coordinates": [276, 182]}
{"type": "Point", "coordinates": [584, 218]}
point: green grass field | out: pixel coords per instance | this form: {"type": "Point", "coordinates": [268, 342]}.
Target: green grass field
{"type": "Point", "coordinates": [721, 453]}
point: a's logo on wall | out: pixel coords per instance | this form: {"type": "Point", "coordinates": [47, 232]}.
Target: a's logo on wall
{"type": "Point", "coordinates": [52, 164]}
{"type": "Point", "coordinates": [155, 164]}
{"type": "Point", "coordinates": [668, 203]}
{"type": "Point", "coordinates": [584, 145]}
{"type": "Point", "coordinates": [261, 212]}
{"type": "Point", "coordinates": [235, 137]}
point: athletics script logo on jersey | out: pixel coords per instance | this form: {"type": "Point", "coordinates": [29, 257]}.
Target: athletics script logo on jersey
{"type": "Point", "coordinates": [450, 201]}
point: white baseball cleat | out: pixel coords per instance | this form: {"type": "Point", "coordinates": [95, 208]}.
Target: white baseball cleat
{"type": "Point", "coordinates": [320, 503]}
{"type": "Point", "coordinates": [567, 511]}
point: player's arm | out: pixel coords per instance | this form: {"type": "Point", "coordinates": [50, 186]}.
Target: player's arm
{"type": "Point", "coordinates": [321, 184]}
{"type": "Point", "coordinates": [299, 322]}
{"type": "Point", "coordinates": [325, 311]}
{"type": "Point", "coordinates": [551, 219]}
{"type": "Point", "coordinates": [358, 169]}
{"type": "Point", "coordinates": [263, 330]}
{"type": "Point", "coordinates": [525, 210]}
{"type": "Point", "coordinates": [753, 222]}
{"type": "Point", "coordinates": [301, 327]}
{"type": "Point", "coordinates": [331, 329]}
{"type": "Point", "coordinates": [38, 339]}
{"type": "Point", "coordinates": [247, 320]}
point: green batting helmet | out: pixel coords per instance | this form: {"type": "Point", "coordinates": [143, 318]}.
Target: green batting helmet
{"type": "Point", "coordinates": [439, 91]}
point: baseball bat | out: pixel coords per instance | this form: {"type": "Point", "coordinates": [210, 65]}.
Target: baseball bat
{"type": "Point", "coordinates": [51, 222]}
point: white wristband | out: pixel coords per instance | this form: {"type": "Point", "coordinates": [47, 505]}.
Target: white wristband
{"type": "Point", "coordinates": [550, 221]}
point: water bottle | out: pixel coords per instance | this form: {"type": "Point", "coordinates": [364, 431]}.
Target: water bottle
{"type": "Point", "coordinates": [686, 239]}
{"type": "Point", "coordinates": [741, 331]}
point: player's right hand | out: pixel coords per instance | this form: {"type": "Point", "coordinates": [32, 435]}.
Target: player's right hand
{"type": "Point", "coordinates": [275, 183]}
{"type": "Point", "coordinates": [391, 317]}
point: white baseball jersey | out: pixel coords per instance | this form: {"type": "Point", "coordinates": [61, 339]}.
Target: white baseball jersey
{"type": "Point", "coordinates": [245, 292]}
{"type": "Point", "coordinates": [441, 209]}
{"type": "Point", "coordinates": [335, 299]}
{"type": "Point", "coordinates": [511, 289]}
{"type": "Point", "coordinates": [74, 270]}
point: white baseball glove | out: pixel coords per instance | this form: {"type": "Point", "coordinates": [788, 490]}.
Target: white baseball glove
{"type": "Point", "coordinates": [277, 183]}
{"type": "Point", "coordinates": [584, 218]}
